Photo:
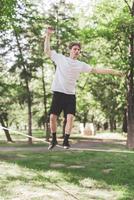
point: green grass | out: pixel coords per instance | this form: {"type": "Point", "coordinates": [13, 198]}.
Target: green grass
{"type": "Point", "coordinates": [86, 175]}
{"type": "Point", "coordinates": [22, 144]}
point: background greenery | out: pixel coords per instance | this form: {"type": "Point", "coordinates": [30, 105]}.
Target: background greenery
{"type": "Point", "coordinates": [105, 29]}
{"type": "Point", "coordinates": [26, 74]}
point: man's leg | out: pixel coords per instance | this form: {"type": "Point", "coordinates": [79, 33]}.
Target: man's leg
{"type": "Point", "coordinates": [55, 111]}
{"type": "Point", "coordinates": [53, 127]}
{"type": "Point", "coordinates": [68, 128]}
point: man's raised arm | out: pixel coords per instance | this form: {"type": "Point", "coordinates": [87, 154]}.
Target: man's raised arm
{"type": "Point", "coordinates": [106, 71]}
{"type": "Point", "coordinates": [47, 49]}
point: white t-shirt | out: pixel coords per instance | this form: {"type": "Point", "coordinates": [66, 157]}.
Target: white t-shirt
{"type": "Point", "coordinates": [67, 72]}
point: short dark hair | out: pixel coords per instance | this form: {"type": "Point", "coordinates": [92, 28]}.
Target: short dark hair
{"type": "Point", "coordinates": [74, 44]}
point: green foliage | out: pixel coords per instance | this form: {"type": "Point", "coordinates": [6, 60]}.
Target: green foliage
{"type": "Point", "coordinates": [107, 40]}
{"type": "Point", "coordinates": [62, 19]}
{"type": "Point", "coordinates": [7, 11]}
{"type": "Point", "coordinates": [104, 37]}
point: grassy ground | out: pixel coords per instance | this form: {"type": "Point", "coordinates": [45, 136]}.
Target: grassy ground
{"type": "Point", "coordinates": [33, 173]}
{"type": "Point", "coordinates": [66, 175]}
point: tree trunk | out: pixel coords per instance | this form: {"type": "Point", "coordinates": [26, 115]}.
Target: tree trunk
{"type": "Point", "coordinates": [85, 119]}
{"type": "Point", "coordinates": [29, 104]}
{"type": "Point", "coordinates": [105, 125]}
{"type": "Point", "coordinates": [98, 126]}
{"type": "Point", "coordinates": [115, 127]}
{"type": "Point", "coordinates": [27, 86]}
{"type": "Point", "coordinates": [130, 108]}
{"type": "Point", "coordinates": [9, 139]}
{"type": "Point", "coordinates": [124, 126]}
{"type": "Point", "coordinates": [130, 115]}
{"type": "Point", "coordinates": [47, 129]}
{"type": "Point", "coordinates": [111, 122]}
{"type": "Point", "coordinates": [130, 103]}
{"type": "Point", "coordinates": [46, 120]}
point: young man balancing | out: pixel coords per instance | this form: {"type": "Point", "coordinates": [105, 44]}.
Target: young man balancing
{"type": "Point", "coordinates": [67, 72]}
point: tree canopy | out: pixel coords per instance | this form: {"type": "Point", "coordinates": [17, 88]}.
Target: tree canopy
{"type": "Point", "coordinates": [107, 38]}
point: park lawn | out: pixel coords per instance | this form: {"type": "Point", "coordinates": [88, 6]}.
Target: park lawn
{"type": "Point", "coordinates": [66, 175]}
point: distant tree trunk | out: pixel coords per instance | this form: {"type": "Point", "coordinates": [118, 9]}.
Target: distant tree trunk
{"type": "Point", "coordinates": [46, 121]}
{"type": "Point", "coordinates": [47, 128]}
{"type": "Point", "coordinates": [115, 125]}
{"type": "Point", "coordinates": [29, 104]}
{"type": "Point", "coordinates": [29, 100]}
{"type": "Point", "coordinates": [130, 100]}
{"type": "Point", "coordinates": [85, 118]}
{"type": "Point", "coordinates": [105, 125]}
{"type": "Point", "coordinates": [98, 126]}
{"type": "Point", "coordinates": [111, 122]}
{"type": "Point", "coordinates": [124, 126]}
{"type": "Point", "coordinates": [9, 139]}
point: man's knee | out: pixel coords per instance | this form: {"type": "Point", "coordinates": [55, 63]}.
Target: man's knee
{"type": "Point", "coordinates": [70, 118]}
{"type": "Point", "coordinates": [53, 118]}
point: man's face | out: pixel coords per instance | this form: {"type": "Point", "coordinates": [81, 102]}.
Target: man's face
{"type": "Point", "coordinates": [75, 52]}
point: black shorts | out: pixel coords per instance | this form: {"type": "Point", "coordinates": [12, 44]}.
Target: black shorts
{"type": "Point", "coordinates": [63, 102]}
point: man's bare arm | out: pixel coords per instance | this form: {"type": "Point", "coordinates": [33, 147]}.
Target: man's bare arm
{"type": "Point", "coordinates": [47, 49]}
{"type": "Point", "coordinates": [106, 71]}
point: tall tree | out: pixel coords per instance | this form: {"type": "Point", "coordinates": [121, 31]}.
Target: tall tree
{"type": "Point", "coordinates": [23, 36]}
{"type": "Point", "coordinates": [117, 26]}
{"type": "Point", "coordinates": [109, 33]}
{"type": "Point", "coordinates": [130, 99]}
{"type": "Point", "coordinates": [7, 97]}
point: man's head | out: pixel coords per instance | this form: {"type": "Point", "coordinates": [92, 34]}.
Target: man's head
{"type": "Point", "coordinates": [74, 48]}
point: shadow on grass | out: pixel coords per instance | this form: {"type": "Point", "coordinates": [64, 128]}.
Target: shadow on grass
{"type": "Point", "coordinates": [113, 169]}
